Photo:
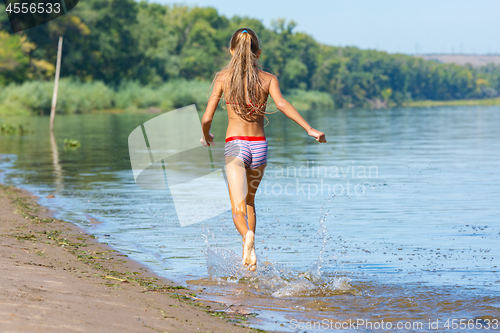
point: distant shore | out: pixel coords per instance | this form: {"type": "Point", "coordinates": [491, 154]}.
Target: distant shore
{"type": "Point", "coordinates": [458, 102]}
{"type": "Point", "coordinates": [57, 278]}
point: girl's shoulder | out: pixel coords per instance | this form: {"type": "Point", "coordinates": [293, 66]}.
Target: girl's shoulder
{"type": "Point", "coordinates": [221, 76]}
{"type": "Point", "coordinates": [266, 78]}
{"type": "Point", "coordinates": [266, 75]}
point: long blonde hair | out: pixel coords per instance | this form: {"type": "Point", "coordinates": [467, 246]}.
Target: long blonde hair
{"type": "Point", "coordinates": [243, 89]}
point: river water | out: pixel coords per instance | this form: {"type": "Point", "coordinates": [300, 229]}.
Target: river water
{"type": "Point", "coordinates": [394, 224]}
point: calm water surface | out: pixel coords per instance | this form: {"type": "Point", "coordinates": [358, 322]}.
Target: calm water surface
{"type": "Point", "coordinates": [396, 218]}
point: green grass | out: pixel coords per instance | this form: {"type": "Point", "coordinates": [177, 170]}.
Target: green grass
{"type": "Point", "coordinates": [35, 97]}
{"type": "Point", "coordinates": [131, 96]}
{"type": "Point", "coordinates": [310, 100]}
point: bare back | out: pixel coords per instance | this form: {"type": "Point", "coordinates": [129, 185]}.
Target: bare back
{"type": "Point", "coordinates": [238, 126]}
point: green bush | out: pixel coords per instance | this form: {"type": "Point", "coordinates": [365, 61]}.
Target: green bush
{"type": "Point", "coordinates": [133, 95]}
{"type": "Point", "coordinates": [31, 97]}
{"type": "Point", "coordinates": [79, 97]}
{"type": "Point", "coordinates": [310, 100]}
{"type": "Point", "coordinates": [35, 97]}
{"type": "Point", "coordinates": [179, 93]}
{"type": "Point", "coordinates": [170, 95]}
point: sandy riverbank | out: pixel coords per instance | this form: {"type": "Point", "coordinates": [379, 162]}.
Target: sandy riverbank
{"type": "Point", "coordinates": [56, 278]}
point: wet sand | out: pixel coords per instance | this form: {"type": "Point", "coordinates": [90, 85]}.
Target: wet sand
{"type": "Point", "coordinates": [56, 278]}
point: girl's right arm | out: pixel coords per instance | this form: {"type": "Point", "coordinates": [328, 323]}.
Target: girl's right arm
{"type": "Point", "coordinates": [208, 116]}
{"type": "Point", "coordinates": [284, 106]}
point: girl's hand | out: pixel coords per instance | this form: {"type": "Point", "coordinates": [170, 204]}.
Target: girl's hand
{"type": "Point", "coordinates": [206, 142]}
{"type": "Point", "coordinates": [319, 136]}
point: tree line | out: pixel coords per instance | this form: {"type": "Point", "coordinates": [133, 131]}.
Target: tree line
{"type": "Point", "coordinates": [116, 41]}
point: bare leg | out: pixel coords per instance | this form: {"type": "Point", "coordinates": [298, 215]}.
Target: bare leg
{"type": "Point", "coordinates": [237, 181]}
{"type": "Point", "coordinates": [254, 177]}
{"type": "Point", "coordinates": [236, 178]}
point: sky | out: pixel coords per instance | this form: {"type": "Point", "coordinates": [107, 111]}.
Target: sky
{"type": "Point", "coordinates": [395, 26]}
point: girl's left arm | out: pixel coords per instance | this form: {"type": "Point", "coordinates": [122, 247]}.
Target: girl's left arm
{"type": "Point", "coordinates": [208, 116]}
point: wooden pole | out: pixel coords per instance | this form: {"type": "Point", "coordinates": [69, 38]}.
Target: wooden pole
{"type": "Point", "coordinates": [56, 84]}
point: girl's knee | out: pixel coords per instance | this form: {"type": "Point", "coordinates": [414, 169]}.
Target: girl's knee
{"type": "Point", "coordinates": [240, 209]}
{"type": "Point", "coordinates": [238, 215]}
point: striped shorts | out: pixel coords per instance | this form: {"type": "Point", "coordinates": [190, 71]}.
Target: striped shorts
{"type": "Point", "coordinates": [252, 150]}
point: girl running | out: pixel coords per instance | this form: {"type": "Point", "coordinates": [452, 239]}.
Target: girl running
{"type": "Point", "coordinates": [246, 89]}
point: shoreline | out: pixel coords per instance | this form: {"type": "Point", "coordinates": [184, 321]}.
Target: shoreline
{"type": "Point", "coordinates": [455, 102]}
{"type": "Point", "coordinates": [56, 277]}
{"type": "Point", "coordinates": [411, 104]}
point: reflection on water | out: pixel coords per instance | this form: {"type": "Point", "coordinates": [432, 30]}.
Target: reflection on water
{"type": "Point", "coordinates": [58, 183]}
{"type": "Point", "coordinates": [395, 219]}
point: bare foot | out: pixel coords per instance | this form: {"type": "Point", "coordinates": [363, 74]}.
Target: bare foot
{"type": "Point", "coordinates": [247, 247]}
{"type": "Point", "coordinates": [253, 260]}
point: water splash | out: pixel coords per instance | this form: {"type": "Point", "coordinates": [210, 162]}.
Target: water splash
{"type": "Point", "coordinates": [273, 278]}
{"type": "Point", "coordinates": [314, 272]}
{"type": "Point", "coordinates": [222, 263]}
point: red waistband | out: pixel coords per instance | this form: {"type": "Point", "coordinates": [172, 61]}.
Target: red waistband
{"type": "Point", "coordinates": [247, 138]}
